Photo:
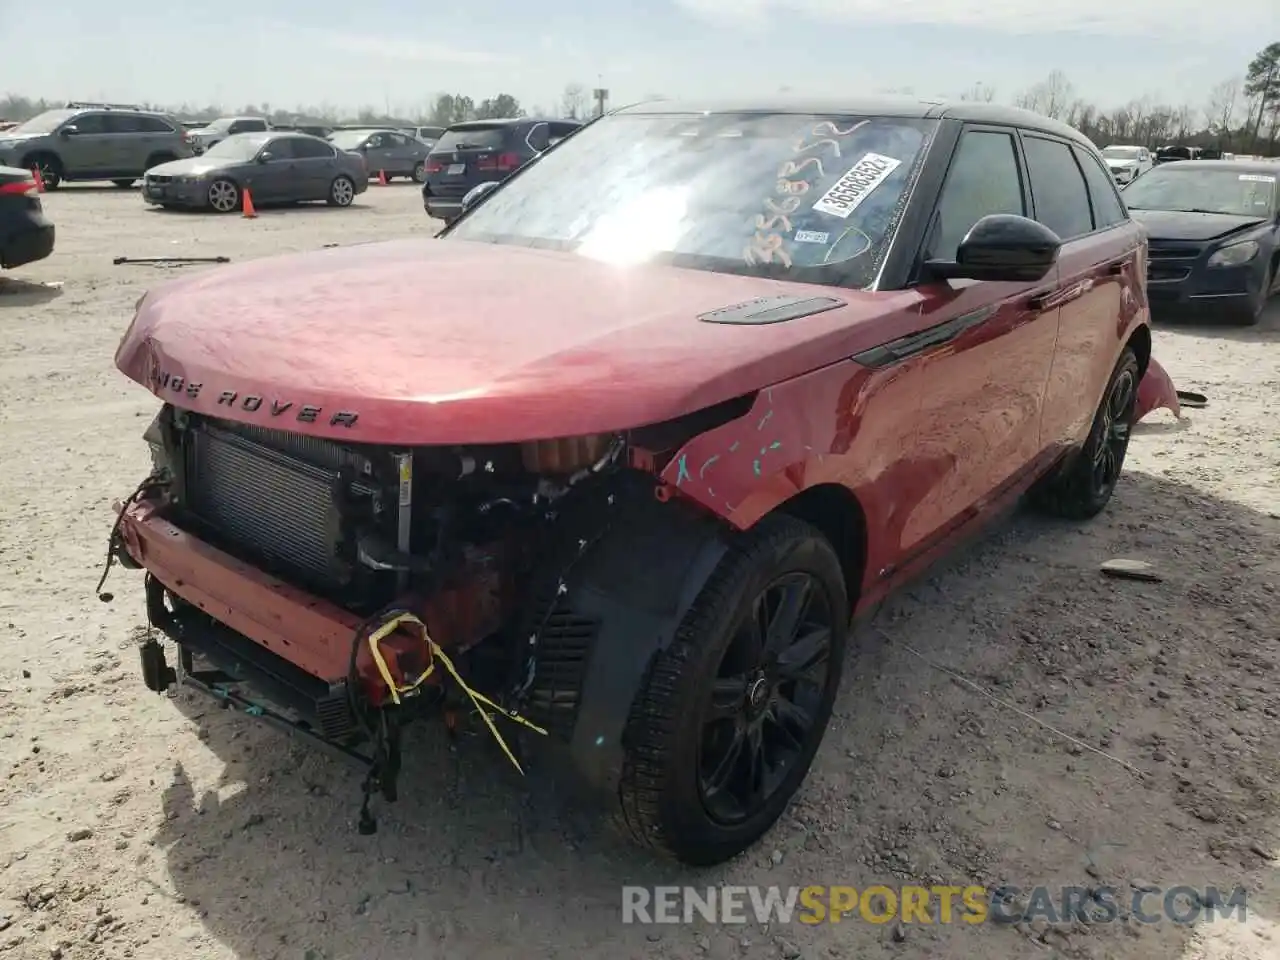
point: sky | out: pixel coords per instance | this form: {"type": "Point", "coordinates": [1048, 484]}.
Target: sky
{"type": "Point", "coordinates": [397, 54]}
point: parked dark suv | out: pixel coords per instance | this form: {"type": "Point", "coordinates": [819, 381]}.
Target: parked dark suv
{"type": "Point", "coordinates": [479, 151]}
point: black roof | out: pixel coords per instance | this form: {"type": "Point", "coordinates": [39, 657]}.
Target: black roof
{"type": "Point", "coordinates": [869, 106]}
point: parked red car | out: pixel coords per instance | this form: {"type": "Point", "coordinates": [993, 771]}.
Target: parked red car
{"type": "Point", "coordinates": [628, 446]}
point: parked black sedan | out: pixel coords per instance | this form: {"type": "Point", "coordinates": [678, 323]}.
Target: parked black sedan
{"type": "Point", "coordinates": [26, 234]}
{"type": "Point", "coordinates": [1213, 229]}
{"type": "Point", "coordinates": [274, 166]}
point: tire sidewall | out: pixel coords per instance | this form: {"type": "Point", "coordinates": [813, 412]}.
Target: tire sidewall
{"type": "Point", "coordinates": [209, 195]}
{"type": "Point", "coordinates": [333, 188]}
{"type": "Point", "coordinates": [681, 807]}
{"type": "Point", "coordinates": [420, 172]}
{"type": "Point", "coordinates": [1128, 362]}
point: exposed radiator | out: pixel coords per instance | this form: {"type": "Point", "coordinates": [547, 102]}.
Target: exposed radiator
{"type": "Point", "coordinates": [271, 494]}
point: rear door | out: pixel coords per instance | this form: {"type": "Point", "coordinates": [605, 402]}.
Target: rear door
{"type": "Point", "coordinates": [1101, 268]}
{"type": "Point", "coordinates": [314, 167]}
{"type": "Point", "coordinates": [986, 359]}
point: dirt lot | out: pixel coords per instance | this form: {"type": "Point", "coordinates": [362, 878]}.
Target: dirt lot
{"type": "Point", "coordinates": [140, 826]}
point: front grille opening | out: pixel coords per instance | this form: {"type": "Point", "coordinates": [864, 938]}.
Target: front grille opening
{"type": "Point", "coordinates": [279, 500]}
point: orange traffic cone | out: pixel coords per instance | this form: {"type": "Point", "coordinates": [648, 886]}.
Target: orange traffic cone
{"type": "Point", "coordinates": [249, 212]}
{"type": "Point", "coordinates": [382, 178]}
{"type": "Point", "coordinates": [35, 172]}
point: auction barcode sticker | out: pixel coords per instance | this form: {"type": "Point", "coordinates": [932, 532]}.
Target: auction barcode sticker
{"type": "Point", "coordinates": [856, 185]}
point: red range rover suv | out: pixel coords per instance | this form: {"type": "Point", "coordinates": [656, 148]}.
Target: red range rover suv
{"type": "Point", "coordinates": [613, 464]}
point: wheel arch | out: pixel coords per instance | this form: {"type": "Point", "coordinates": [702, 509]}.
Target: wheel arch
{"type": "Point", "coordinates": [1140, 343]}
{"type": "Point", "coordinates": [33, 155]}
{"type": "Point", "coordinates": [835, 512]}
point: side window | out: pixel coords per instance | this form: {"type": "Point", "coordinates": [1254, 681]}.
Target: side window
{"type": "Point", "coordinates": [1057, 186]}
{"type": "Point", "coordinates": [280, 149]}
{"type": "Point", "coordinates": [304, 149]}
{"type": "Point", "coordinates": [983, 179]}
{"type": "Point", "coordinates": [91, 123]}
{"type": "Point", "coordinates": [253, 126]}
{"type": "Point", "coordinates": [154, 125]}
{"type": "Point", "coordinates": [123, 123]}
{"type": "Point", "coordinates": [1107, 209]}
{"type": "Point", "coordinates": [559, 131]}
{"type": "Point", "coordinates": [538, 137]}
{"type": "Point", "coordinates": [377, 142]}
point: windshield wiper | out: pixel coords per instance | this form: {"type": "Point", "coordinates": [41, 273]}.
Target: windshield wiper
{"type": "Point", "coordinates": [1196, 210]}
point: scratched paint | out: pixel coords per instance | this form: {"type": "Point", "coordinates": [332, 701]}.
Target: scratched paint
{"type": "Point", "coordinates": [682, 472]}
{"type": "Point", "coordinates": [764, 420]}
{"type": "Point", "coordinates": [702, 471]}
{"type": "Point", "coordinates": [755, 465]}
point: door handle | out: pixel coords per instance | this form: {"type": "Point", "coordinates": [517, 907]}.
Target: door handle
{"type": "Point", "coordinates": [1041, 300]}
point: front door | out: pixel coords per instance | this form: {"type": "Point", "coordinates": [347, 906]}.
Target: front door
{"type": "Point", "coordinates": [271, 178]}
{"type": "Point", "coordinates": [985, 366]}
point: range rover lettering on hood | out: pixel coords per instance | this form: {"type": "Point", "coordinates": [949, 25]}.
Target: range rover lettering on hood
{"type": "Point", "coordinates": [164, 382]}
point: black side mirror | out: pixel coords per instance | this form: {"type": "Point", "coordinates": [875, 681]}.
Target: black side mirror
{"type": "Point", "coordinates": [478, 193]}
{"type": "Point", "coordinates": [1001, 247]}
{"type": "Point", "coordinates": [264, 156]}
{"type": "Point", "coordinates": [70, 130]}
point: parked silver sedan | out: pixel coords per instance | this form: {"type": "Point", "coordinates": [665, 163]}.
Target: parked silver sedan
{"type": "Point", "coordinates": [390, 152]}
{"type": "Point", "coordinates": [275, 167]}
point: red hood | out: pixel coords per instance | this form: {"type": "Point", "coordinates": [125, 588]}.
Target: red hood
{"type": "Point", "coordinates": [443, 341]}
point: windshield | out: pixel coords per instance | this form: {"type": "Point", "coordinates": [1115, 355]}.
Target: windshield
{"type": "Point", "coordinates": [1121, 153]}
{"type": "Point", "coordinates": [221, 124]}
{"type": "Point", "coordinates": [241, 146]}
{"type": "Point", "coordinates": [349, 139]}
{"type": "Point", "coordinates": [1204, 190]}
{"type": "Point", "coordinates": [46, 122]}
{"type": "Point", "coordinates": [796, 197]}
{"type": "Point", "coordinates": [474, 138]}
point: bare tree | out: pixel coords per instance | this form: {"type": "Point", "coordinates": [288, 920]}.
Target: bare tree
{"type": "Point", "coordinates": [1220, 109]}
{"type": "Point", "coordinates": [980, 93]}
{"type": "Point", "coordinates": [1052, 96]}
{"type": "Point", "coordinates": [573, 102]}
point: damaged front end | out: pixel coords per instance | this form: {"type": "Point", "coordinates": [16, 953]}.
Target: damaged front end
{"type": "Point", "coordinates": [340, 591]}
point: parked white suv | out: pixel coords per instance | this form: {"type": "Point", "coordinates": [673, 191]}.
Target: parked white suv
{"type": "Point", "coordinates": [1127, 163]}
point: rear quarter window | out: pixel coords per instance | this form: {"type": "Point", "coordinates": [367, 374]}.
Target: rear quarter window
{"type": "Point", "coordinates": [1057, 187]}
{"type": "Point", "coordinates": [474, 138]}
{"type": "Point", "coordinates": [1107, 209]}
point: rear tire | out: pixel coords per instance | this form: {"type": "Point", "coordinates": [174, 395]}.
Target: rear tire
{"type": "Point", "coordinates": [724, 730]}
{"type": "Point", "coordinates": [419, 172]}
{"type": "Point", "coordinates": [341, 192]}
{"type": "Point", "coordinates": [124, 184]}
{"type": "Point", "coordinates": [158, 158]}
{"type": "Point", "coordinates": [1083, 488]}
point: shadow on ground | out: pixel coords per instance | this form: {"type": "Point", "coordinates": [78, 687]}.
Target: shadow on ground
{"type": "Point", "coordinates": [15, 292]}
{"type": "Point", "coordinates": [919, 779]}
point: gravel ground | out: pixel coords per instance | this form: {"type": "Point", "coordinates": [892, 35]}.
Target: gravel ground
{"type": "Point", "coordinates": [141, 826]}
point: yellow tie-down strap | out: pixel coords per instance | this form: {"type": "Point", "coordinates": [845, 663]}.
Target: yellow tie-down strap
{"type": "Point", "coordinates": [479, 700]}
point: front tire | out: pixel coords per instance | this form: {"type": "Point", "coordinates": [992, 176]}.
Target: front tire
{"type": "Point", "coordinates": [341, 192]}
{"type": "Point", "coordinates": [224, 196]}
{"type": "Point", "coordinates": [419, 172]}
{"type": "Point", "coordinates": [730, 716]}
{"type": "Point", "coordinates": [1084, 487]}
{"type": "Point", "coordinates": [50, 169]}
{"type": "Point", "coordinates": [124, 184]}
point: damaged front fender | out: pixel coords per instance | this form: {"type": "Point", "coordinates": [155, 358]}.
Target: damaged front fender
{"type": "Point", "coordinates": [1155, 391]}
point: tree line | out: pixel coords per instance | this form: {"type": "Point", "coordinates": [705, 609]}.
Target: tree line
{"type": "Point", "coordinates": [1239, 114]}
